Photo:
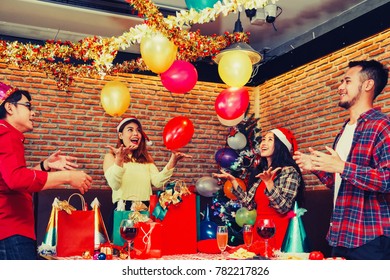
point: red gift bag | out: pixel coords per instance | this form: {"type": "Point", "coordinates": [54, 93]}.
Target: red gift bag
{"type": "Point", "coordinates": [148, 242]}
{"type": "Point", "coordinates": [75, 230]}
{"type": "Point", "coordinates": [179, 226]}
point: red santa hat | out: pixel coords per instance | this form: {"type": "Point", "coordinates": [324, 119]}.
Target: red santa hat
{"type": "Point", "coordinates": [287, 138]}
{"type": "Point", "coordinates": [5, 92]}
{"type": "Point", "coordinates": [125, 121]}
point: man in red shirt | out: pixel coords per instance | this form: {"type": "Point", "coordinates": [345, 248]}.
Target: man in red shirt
{"type": "Point", "coordinates": [18, 182]}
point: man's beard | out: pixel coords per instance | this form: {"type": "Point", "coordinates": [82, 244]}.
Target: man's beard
{"type": "Point", "coordinates": [349, 104]}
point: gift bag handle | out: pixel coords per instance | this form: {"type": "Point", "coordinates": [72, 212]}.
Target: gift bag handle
{"type": "Point", "coordinates": [84, 206]}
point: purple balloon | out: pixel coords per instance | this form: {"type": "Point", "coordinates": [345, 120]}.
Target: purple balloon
{"type": "Point", "coordinates": [225, 157]}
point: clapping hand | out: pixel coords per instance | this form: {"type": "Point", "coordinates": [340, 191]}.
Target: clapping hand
{"type": "Point", "coordinates": [328, 162]}
{"type": "Point", "coordinates": [303, 160]}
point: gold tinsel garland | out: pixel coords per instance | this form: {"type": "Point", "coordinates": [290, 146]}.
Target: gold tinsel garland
{"type": "Point", "coordinates": [57, 58]}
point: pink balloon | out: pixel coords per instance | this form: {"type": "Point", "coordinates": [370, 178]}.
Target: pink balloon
{"type": "Point", "coordinates": [181, 77]}
{"type": "Point", "coordinates": [232, 103]}
{"type": "Point", "coordinates": [178, 132]}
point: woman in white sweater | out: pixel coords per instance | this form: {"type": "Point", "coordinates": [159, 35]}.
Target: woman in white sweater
{"type": "Point", "coordinates": [129, 168]}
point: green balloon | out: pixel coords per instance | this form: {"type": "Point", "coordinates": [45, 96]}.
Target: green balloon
{"type": "Point", "coordinates": [245, 217]}
{"type": "Point", "coordinates": [251, 219]}
{"type": "Point", "coordinates": [241, 216]}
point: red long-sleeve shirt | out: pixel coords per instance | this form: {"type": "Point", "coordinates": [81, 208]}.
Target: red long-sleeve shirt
{"type": "Point", "coordinates": [17, 184]}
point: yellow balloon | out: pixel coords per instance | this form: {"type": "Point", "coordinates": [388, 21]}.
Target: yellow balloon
{"type": "Point", "coordinates": [115, 98]}
{"type": "Point", "coordinates": [158, 52]}
{"type": "Point", "coordinates": [235, 68]}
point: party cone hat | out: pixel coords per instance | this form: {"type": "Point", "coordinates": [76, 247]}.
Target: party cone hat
{"type": "Point", "coordinates": [101, 235]}
{"type": "Point", "coordinates": [295, 240]}
{"type": "Point", "coordinates": [49, 242]}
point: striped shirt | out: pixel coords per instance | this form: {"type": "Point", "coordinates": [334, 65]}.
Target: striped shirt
{"type": "Point", "coordinates": [361, 212]}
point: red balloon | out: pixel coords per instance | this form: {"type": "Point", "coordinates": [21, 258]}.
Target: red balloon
{"type": "Point", "coordinates": [181, 77]}
{"type": "Point", "coordinates": [178, 132]}
{"type": "Point", "coordinates": [232, 103]}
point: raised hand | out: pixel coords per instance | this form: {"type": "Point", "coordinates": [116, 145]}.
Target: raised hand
{"type": "Point", "coordinates": [224, 175]}
{"type": "Point", "coordinates": [120, 152]}
{"type": "Point", "coordinates": [61, 162]}
{"type": "Point", "coordinates": [175, 158]}
{"type": "Point", "coordinates": [268, 175]}
{"type": "Point", "coordinates": [179, 156]}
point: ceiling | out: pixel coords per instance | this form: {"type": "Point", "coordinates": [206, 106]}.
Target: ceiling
{"type": "Point", "coordinates": [302, 30]}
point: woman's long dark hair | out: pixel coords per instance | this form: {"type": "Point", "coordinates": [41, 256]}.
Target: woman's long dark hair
{"type": "Point", "coordinates": [141, 155]}
{"type": "Point", "coordinates": [281, 158]}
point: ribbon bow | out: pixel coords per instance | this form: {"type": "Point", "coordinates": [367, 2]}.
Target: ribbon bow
{"type": "Point", "coordinates": [171, 196]}
{"type": "Point", "coordinates": [136, 215]}
{"type": "Point", "coordinates": [64, 205]}
{"type": "Point", "coordinates": [138, 206]}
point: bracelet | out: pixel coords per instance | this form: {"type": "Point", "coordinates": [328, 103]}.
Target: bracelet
{"type": "Point", "coordinates": [43, 166]}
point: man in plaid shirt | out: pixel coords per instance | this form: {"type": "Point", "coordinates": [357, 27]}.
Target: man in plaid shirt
{"type": "Point", "coordinates": [358, 168]}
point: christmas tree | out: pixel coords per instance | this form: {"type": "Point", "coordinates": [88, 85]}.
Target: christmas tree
{"type": "Point", "coordinates": [242, 139]}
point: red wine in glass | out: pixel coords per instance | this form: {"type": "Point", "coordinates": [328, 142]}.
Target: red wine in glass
{"type": "Point", "coordinates": [129, 233]}
{"type": "Point", "coordinates": [266, 232]}
{"type": "Point", "coordinates": [265, 229]}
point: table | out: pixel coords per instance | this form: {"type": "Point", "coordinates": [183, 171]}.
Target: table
{"type": "Point", "coordinates": [197, 256]}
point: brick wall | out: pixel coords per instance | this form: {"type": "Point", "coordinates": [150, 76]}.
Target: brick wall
{"type": "Point", "coordinates": [303, 100]}
{"type": "Point", "coordinates": [75, 122]}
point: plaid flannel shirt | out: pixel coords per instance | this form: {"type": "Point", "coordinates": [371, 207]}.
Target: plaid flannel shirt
{"type": "Point", "coordinates": [281, 197]}
{"type": "Point", "coordinates": [361, 212]}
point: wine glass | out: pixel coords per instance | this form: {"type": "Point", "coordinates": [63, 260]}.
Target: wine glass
{"type": "Point", "coordinates": [265, 229]}
{"type": "Point", "coordinates": [222, 238]}
{"type": "Point", "coordinates": [128, 231]}
{"type": "Point", "coordinates": [247, 232]}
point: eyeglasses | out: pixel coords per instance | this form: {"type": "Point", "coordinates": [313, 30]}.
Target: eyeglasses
{"type": "Point", "coordinates": [27, 104]}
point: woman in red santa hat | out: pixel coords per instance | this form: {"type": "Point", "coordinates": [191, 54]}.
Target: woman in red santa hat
{"type": "Point", "coordinates": [279, 184]}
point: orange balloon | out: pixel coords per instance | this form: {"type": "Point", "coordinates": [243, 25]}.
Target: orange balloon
{"type": "Point", "coordinates": [115, 98]}
{"type": "Point", "coordinates": [228, 187]}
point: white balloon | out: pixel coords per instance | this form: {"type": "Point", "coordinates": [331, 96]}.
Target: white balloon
{"type": "Point", "coordinates": [237, 142]}
{"type": "Point", "coordinates": [231, 122]}
{"type": "Point", "coordinates": [207, 186]}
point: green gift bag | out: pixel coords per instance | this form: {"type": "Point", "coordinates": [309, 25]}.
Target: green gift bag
{"type": "Point", "coordinates": [118, 217]}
